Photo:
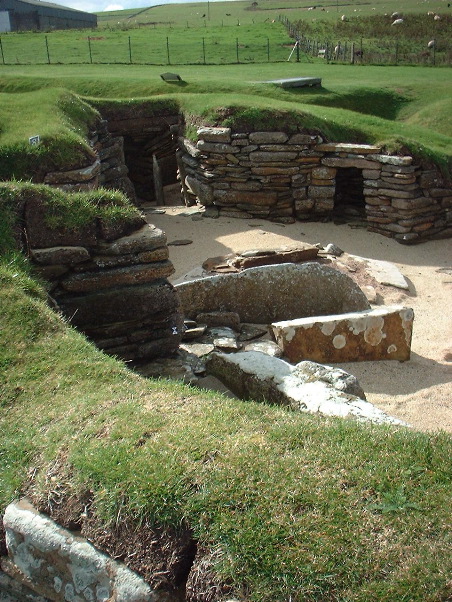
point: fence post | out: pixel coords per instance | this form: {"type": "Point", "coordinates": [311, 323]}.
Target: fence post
{"type": "Point", "coordinates": [130, 50]}
{"type": "Point", "coordinates": [90, 53]}
{"type": "Point", "coordinates": [396, 52]}
{"type": "Point", "coordinates": [298, 50]}
{"type": "Point", "coordinates": [237, 49]}
{"type": "Point", "coordinates": [434, 52]}
{"type": "Point", "coordinates": [268, 49]}
{"type": "Point", "coordinates": [167, 52]}
{"type": "Point", "coordinates": [47, 50]}
{"type": "Point", "coordinates": [204, 50]}
{"type": "Point", "coordinates": [352, 54]}
{"type": "Point", "coordinates": [1, 49]}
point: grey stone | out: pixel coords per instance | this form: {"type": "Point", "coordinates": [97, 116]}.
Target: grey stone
{"type": "Point", "coordinates": [386, 273]}
{"type": "Point", "coordinates": [212, 134]}
{"type": "Point", "coordinates": [267, 347]}
{"type": "Point", "coordinates": [270, 293]}
{"type": "Point", "coordinates": [333, 249]}
{"type": "Point", "coordinates": [220, 318]}
{"type": "Point", "coordinates": [306, 387]}
{"type": "Point", "coordinates": [38, 547]}
{"type": "Point", "coordinates": [60, 255]}
{"type": "Point", "coordinates": [268, 137]}
{"type": "Point", "coordinates": [203, 191]}
{"type": "Point", "coordinates": [146, 238]}
{"type": "Point", "coordinates": [217, 147]}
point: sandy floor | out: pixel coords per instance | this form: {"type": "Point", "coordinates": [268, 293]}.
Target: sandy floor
{"type": "Point", "coordinates": [418, 391]}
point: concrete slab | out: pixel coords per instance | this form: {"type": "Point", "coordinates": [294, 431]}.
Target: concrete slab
{"type": "Point", "coordinates": [296, 82]}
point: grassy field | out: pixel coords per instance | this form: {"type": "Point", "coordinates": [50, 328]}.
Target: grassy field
{"type": "Point", "coordinates": [282, 506]}
{"type": "Point", "coordinates": [243, 12]}
{"type": "Point", "coordinates": [204, 40]}
{"type": "Point", "coordinates": [394, 106]}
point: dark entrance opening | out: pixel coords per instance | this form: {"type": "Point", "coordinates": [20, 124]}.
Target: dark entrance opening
{"type": "Point", "coordinates": [151, 160]}
{"type": "Point", "coordinates": [349, 202]}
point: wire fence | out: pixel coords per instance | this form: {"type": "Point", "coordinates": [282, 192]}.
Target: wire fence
{"type": "Point", "coordinates": [369, 51]}
{"type": "Point", "coordinates": [172, 50]}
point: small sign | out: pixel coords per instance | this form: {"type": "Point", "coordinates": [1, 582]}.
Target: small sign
{"type": "Point", "coordinates": [34, 140]}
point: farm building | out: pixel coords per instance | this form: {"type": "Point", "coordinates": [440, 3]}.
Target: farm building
{"type": "Point", "coordinates": [26, 15]}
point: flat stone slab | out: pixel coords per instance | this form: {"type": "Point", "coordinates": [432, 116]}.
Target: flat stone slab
{"type": "Point", "coordinates": [306, 387]}
{"type": "Point", "coordinates": [295, 82]}
{"type": "Point", "coordinates": [379, 334]}
{"type": "Point", "coordinates": [386, 273]}
{"type": "Point", "coordinates": [266, 294]}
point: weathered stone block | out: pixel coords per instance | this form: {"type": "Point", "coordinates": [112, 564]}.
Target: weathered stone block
{"type": "Point", "coordinates": [268, 137]}
{"type": "Point", "coordinates": [345, 162]}
{"type": "Point", "coordinates": [127, 276]}
{"type": "Point", "coordinates": [321, 192]}
{"type": "Point", "coordinates": [272, 157]}
{"type": "Point", "coordinates": [74, 176]}
{"type": "Point", "coordinates": [391, 160]}
{"type": "Point", "coordinates": [216, 147]}
{"type": "Point", "coordinates": [379, 334]}
{"type": "Point", "coordinates": [60, 255]}
{"type": "Point", "coordinates": [119, 304]}
{"type": "Point", "coordinates": [146, 239]}
{"type": "Point", "coordinates": [211, 134]}
{"type": "Point", "coordinates": [58, 565]}
{"type": "Point", "coordinates": [268, 171]}
{"type": "Point", "coordinates": [261, 198]}
{"type": "Point", "coordinates": [202, 190]}
{"type": "Point", "coordinates": [324, 173]}
{"type": "Point", "coordinates": [306, 387]}
{"type": "Point", "coordinates": [341, 147]}
{"type": "Point", "coordinates": [277, 292]}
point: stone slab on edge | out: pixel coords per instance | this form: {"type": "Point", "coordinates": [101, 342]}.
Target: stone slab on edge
{"type": "Point", "coordinates": [306, 387]}
{"type": "Point", "coordinates": [60, 566]}
{"type": "Point", "coordinates": [271, 293]}
{"type": "Point", "coordinates": [383, 333]}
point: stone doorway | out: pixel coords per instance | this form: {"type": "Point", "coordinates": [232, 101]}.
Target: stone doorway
{"type": "Point", "coordinates": [349, 201]}
{"type": "Point", "coordinates": [151, 160]}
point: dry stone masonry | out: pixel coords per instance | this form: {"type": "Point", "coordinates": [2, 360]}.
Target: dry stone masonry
{"type": "Point", "coordinates": [110, 281]}
{"type": "Point", "coordinates": [282, 176]}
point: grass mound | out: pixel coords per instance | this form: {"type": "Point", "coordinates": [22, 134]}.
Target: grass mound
{"type": "Point", "coordinates": [279, 505]}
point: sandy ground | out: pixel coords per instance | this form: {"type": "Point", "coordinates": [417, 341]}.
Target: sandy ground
{"type": "Point", "coordinates": [418, 391]}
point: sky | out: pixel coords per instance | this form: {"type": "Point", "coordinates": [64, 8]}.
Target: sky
{"type": "Point", "coordinates": [91, 6]}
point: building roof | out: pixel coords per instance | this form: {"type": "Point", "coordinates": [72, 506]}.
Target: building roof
{"type": "Point", "coordinates": [52, 5]}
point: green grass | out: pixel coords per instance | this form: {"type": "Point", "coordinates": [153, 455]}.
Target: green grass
{"type": "Point", "coordinates": [398, 107]}
{"type": "Point", "coordinates": [291, 506]}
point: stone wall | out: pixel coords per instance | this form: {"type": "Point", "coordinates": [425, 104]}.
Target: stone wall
{"type": "Point", "coordinates": [283, 177]}
{"type": "Point", "coordinates": [108, 168]}
{"type": "Point", "coordinates": [110, 281]}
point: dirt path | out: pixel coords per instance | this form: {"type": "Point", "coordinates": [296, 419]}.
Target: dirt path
{"type": "Point", "coordinates": [418, 391]}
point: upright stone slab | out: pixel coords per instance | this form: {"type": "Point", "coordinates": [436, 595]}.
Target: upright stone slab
{"type": "Point", "coordinates": [379, 334]}
{"type": "Point", "coordinates": [265, 294]}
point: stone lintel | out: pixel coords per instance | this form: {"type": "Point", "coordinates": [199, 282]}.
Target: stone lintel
{"type": "Point", "coordinates": [379, 334]}
{"type": "Point", "coordinates": [355, 149]}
